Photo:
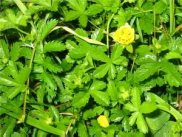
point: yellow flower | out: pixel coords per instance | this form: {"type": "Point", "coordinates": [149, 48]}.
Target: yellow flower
{"type": "Point", "coordinates": [124, 35]}
{"type": "Point", "coordinates": [103, 121]}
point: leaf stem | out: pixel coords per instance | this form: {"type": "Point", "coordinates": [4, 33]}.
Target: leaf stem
{"type": "Point", "coordinates": [172, 19]}
{"type": "Point", "coordinates": [107, 36]}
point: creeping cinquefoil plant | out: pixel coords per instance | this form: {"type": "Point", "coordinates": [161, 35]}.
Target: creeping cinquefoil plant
{"type": "Point", "coordinates": [90, 68]}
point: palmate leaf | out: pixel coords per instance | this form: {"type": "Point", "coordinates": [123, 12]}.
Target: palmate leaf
{"type": "Point", "coordinates": [12, 85]}
{"type": "Point", "coordinates": [97, 53]}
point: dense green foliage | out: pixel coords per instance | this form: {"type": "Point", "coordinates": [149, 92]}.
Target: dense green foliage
{"type": "Point", "coordinates": [60, 69]}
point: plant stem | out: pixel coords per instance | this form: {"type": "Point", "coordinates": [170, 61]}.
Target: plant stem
{"type": "Point", "coordinates": [107, 36]}
{"type": "Point", "coordinates": [172, 19]}
{"type": "Point", "coordinates": [22, 118]}
{"type": "Point", "coordinates": [154, 22]}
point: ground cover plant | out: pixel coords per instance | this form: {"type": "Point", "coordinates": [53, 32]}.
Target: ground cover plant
{"type": "Point", "coordinates": [91, 68]}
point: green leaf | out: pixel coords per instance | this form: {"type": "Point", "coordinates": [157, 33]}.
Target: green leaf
{"type": "Point", "coordinates": [51, 65]}
{"type": "Point", "coordinates": [145, 71]}
{"type": "Point", "coordinates": [78, 52]}
{"type": "Point", "coordinates": [160, 6]}
{"type": "Point", "coordinates": [130, 134]}
{"type": "Point", "coordinates": [4, 51]}
{"type": "Point", "coordinates": [94, 9]}
{"type": "Point", "coordinates": [139, 30]}
{"type": "Point", "coordinates": [9, 127]}
{"type": "Point", "coordinates": [173, 77]}
{"type": "Point", "coordinates": [130, 107]}
{"type": "Point", "coordinates": [98, 85]}
{"type": "Point", "coordinates": [54, 46]}
{"type": "Point", "coordinates": [136, 97]}
{"type": "Point", "coordinates": [82, 130]}
{"type": "Point", "coordinates": [163, 105]}
{"type": "Point", "coordinates": [146, 27]}
{"type": "Point", "coordinates": [44, 28]}
{"type": "Point", "coordinates": [23, 75]}
{"type": "Point", "coordinates": [71, 15]}
{"type": "Point", "coordinates": [7, 81]}
{"type": "Point", "coordinates": [133, 118]}
{"type": "Point", "coordinates": [141, 124]}
{"type": "Point", "coordinates": [157, 120]}
{"type": "Point", "coordinates": [170, 129]}
{"type": "Point", "coordinates": [83, 19]}
{"type": "Point", "coordinates": [101, 71]}
{"type": "Point", "coordinates": [48, 79]}
{"type": "Point", "coordinates": [78, 5]}
{"type": "Point", "coordinates": [43, 126]}
{"type": "Point", "coordinates": [100, 97]}
{"type": "Point", "coordinates": [173, 55]}
{"type": "Point", "coordinates": [89, 114]}
{"type": "Point", "coordinates": [112, 91]}
{"type": "Point", "coordinates": [112, 71]}
{"type": "Point", "coordinates": [129, 48]}
{"type": "Point", "coordinates": [80, 99]}
{"type": "Point", "coordinates": [147, 107]}
{"type": "Point", "coordinates": [116, 52]}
